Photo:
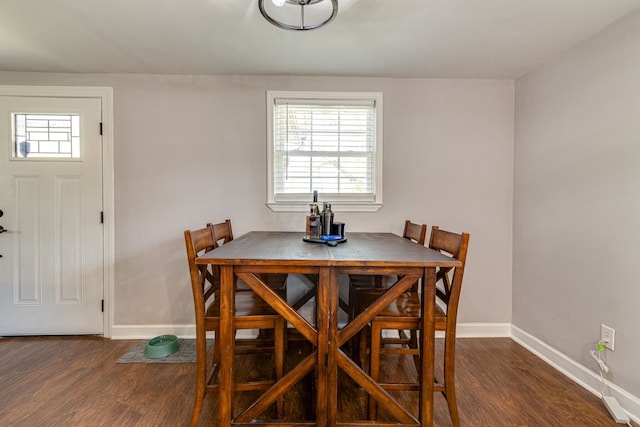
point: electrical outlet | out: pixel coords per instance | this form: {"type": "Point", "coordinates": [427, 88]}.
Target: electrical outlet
{"type": "Point", "coordinates": [608, 336]}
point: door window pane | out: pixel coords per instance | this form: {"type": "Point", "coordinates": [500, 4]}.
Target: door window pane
{"type": "Point", "coordinates": [47, 136]}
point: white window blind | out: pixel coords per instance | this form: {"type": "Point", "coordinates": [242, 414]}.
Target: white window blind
{"type": "Point", "coordinates": [326, 143]}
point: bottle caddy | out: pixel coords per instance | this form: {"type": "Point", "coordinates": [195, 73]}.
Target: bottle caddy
{"type": "Point", "coordinates": [320, 225]}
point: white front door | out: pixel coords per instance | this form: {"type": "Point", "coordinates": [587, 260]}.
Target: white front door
{"type": "Point", "coordinates": [51, 270]}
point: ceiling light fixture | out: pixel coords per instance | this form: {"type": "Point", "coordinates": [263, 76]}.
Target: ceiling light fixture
{"type": "Point", "coordinates": [298, 14]}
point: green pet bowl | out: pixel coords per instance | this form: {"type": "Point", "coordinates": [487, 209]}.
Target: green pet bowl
{"type": "Point", "coordinates": [162, 346]}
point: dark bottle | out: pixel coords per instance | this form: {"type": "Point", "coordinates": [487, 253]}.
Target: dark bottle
{"type": "Point", "coordinates": [314, 227]}
{"type": "Point", "coordinates": [327, 219]}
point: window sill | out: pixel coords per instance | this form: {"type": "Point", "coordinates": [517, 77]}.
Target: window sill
{"type": "Point", "coordinates": [335, 207]}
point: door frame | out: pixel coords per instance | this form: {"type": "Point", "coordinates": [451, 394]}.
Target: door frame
{"type": "Point", "coordinates": [105, 94]}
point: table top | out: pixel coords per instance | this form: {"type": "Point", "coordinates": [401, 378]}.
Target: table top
{"type": "Point", "coordinates": [360, 249]}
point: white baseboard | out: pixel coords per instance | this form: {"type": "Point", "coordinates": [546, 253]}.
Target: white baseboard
{"type": "Point", "coordinates": [131, 332]}
{"type": "Point", "coordinates": [577, 372]}
{"type": "Point", "coordinates": [126, 332]}
{"type": "Point", "coordinates": [144, 332]}
{"type": "Point", "coordinates": [471, 330]}
{"type": "Point", "coordinates": [483, 330]}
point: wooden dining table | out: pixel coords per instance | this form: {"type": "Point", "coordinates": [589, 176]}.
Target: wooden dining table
{"type": "Point", "coordinates": [257, 252]}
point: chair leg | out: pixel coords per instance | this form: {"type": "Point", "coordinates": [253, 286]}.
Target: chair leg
{"type": "Point", "coordinates": [216, 349]}
{"type": "Point", "coordinates": [197, 407]}
{"type": "Point", "coordinates": [449, 379]}
{"type": "Point", "coordinates": [374, 366]}
{"type": "Point", "coordinates": [201, 380]}
{"type": "Point", "coordinates": [279, 344]}
{"type": "Point", "coordinates": [362, 346]}
{"type": "Point", "coordinates": [355, 348]}
{"type": "Point", "coordinates": [402, 336]}
{"type": "Point", "coordinates": [413, 343]}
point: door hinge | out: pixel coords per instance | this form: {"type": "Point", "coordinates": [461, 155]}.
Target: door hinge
{"type": "Point", "coordinates": [102, 306]}
{"type": "Point", "coordinates": [100, 128]}
{"type": "Point", "coordinates": [102, 217]}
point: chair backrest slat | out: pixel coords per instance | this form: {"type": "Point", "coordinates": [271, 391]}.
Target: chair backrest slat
{"type": "Point", "coordinates": [455, 245]}
{"type": "Point", "coordinates": [203, 282]}
{"type": "Point", "coordinates": [415, 232]}
{"type": "Point", "coordinates": [221, 232]}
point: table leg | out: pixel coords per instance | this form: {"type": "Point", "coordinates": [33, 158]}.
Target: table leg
{"type": "Point", "coordinates": [323, 316]}
{"type": "Point", "coordinates": [427, 342]}
{"type": "Point", "coordinates": [226, 345]}
{"type": "Point", "coordinates": [334, 343]}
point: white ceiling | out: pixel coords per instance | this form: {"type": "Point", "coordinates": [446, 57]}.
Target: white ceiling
{"type": "Point", "coordinates": [392, 38]}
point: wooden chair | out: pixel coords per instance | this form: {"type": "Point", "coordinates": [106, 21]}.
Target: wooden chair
{"type": "Point", "coordinates": [414, 232]}
{"type": "Point", "coordinates": [403, 314]}
{"type": "Point", "coordinates": [251, 312]}
{"type": "Point", "coordinates": [361, 283]}
{"type": "Point", "coordinates": [223, 233]}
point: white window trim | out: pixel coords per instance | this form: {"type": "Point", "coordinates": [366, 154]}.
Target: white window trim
{"type": "Point", "coordinates": [337, 206]}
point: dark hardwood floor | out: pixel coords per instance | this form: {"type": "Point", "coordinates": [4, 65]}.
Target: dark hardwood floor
{"type": "Point", "coordinates": [74, 381]}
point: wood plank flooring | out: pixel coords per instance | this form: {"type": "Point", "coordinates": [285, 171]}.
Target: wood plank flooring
{"type": "Point", "coordinates": [74, 381]}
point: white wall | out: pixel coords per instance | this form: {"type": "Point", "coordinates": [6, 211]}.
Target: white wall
{"type": "Point", "coordinates": [192, 149]}
{"type": "Point", "coordinates": [576, 200]}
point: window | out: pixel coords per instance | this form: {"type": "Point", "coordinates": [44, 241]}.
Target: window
{"type": "Point", "coordinates": [48, 136]}
{"type": "Point", "coordinates": [329, 142]}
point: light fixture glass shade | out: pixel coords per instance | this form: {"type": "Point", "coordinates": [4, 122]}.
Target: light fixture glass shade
{"type": "Point", "coordinates": [298, 14]}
